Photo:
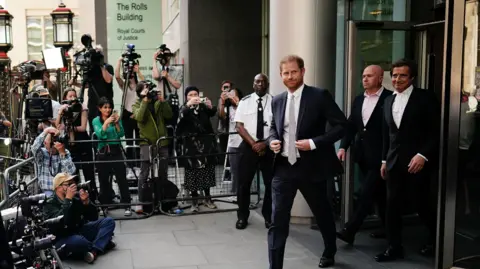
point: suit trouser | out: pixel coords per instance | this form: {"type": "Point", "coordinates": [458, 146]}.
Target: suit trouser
{"type": "Point", "coordinates": [373, 192]}
{"type": "Point", "coordinates": [403, 187]}
{"type": "Point", "coordinates": [287, 180]}
{"type": "Point", "coordinates": [250, 162]}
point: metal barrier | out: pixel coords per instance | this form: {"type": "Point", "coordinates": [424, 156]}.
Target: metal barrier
{"type": "Point", "coordinates": [222, 188]}
{"type": "Point", "coordinates": [104, 207]}
{"type": "Point", "coordinates": [9, 198]}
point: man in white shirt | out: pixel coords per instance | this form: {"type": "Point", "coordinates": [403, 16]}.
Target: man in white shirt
{"type": "Point", "coordinates": [252, 119]}
{"type": "Point", "coordinates": [410, 153]}
{"type": "Point", "coordinates": [305, 157]}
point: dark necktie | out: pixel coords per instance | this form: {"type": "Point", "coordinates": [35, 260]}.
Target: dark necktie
{"type": "Point", "coordinates": [260, 120]}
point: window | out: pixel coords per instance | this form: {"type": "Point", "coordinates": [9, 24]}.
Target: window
{"type": "Point", "coordinates": [40, 35]}
{"type": "Point", "coordinates": [173, 9]}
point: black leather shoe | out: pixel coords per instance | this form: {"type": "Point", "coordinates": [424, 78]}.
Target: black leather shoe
{"type": "Point", "coordinates": [268, 224]}
{"type": "Point", "coordinates": [391, 254]}
{"type": "Point", "coordinates": [427, 250]}
{"type": "Point", "coordinates": [346, 237]}
{"type": "Point", "coordinates": [378, 235]}
{"type": "Point", "coordinates": [326, 261]}
{"type": "Point", "coordinates": [241, 224]}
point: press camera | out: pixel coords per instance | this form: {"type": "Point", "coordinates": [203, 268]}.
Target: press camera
{"type": "Point", "coordinates": [152, 89]}
{"type": "Point", "coordinates": [164, 55]}
{"type": "Point", "coordinates": [31, 70]}
{"type": "Point", "coordinates": [130, 59]}
{"type": "Point", "coordinates": [88, 56]}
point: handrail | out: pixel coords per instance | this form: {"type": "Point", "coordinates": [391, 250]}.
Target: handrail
{"type": "Point", "coordinates": [6, 176]}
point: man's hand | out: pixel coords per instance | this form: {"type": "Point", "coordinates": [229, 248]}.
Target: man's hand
{"type": "Point", "coordinates": [303, 145]}
{"type": "Point", "coordinates": [341, 155]}
{"type": "Point", "coordinates": [71, 191]}
{"type": "Point", "coordinates": [383, 170]}
{"type": "Point", "coordinates": [60, 148]}
{"type": "Point", "coordinates": [208, 103]}
{"type": "Point", "coordinates": [416, 164]}
{"type": "Point", "coordinates": [84, 196]}
{"type": "Point", "coordinates": [259, 147]}
{"type": "Point", "coordinates": [155, 55]}
{"type": "Point", "coordinates": [275, 146]}
{"type": "Point", "coordinates": [164, 74]}
{"type": "Point", "coordinates": [51, 130]}
{"type": "Point", "coordinates": [194, 101]}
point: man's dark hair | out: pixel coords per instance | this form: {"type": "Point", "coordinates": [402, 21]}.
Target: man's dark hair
{"type": "Point", "coordinates": [412, 67]}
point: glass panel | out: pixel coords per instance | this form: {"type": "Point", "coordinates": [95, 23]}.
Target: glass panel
{"type": "Point", "coordinates": [467, 230]}
{"type": "Point", "coordinates": [3, 34]}
{"type": "Point", "coordinates": [47, 20]}
{"type": "Point", "coordinates": [76, 33]}
{"type": "Point", "coordinates": [379, 10]}
{"type": "Point", "coordinates": [34, 38]}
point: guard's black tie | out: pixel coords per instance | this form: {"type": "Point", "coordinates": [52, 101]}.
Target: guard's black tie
{"type": "Point", "coordinates": [260, 122]}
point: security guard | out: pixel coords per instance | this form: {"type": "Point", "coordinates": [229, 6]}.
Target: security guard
{"type": "Point", "coordinates": [253, 117]}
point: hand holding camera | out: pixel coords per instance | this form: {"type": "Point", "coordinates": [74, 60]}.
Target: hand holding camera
{"type": "Point", "coordinates": [71, 191]}
{"type": "Point", "coordinates": [51, 130]}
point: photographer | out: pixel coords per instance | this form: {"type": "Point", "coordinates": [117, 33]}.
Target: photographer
{"type": "Point", "coordinates": [100, 75]}
{"type": "Point", "coordinates": [51, 158]}
{"type": "Point", "coordinates": [151, 111]}
{"type": "Point", "coordinates": [83, 234]}
{"type": "Point", "coordinates": [196, 126]}
{"type": "Point", "coordinates": [108, 126]}
{"type": "Point", "coordinates": [129, 123]}
{"type": "Point", "coordinates": [72, 119]}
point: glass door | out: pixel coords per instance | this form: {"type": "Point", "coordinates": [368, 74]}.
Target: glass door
{"type": "Point", "coordinates": [369, 43]}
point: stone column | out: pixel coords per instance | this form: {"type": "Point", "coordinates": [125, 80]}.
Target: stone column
{"type": "Point", "coordinates": [306, 28]}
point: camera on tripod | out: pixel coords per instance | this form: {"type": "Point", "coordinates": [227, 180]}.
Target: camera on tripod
{"type": "Point", "coordinates": [31, 70]}
{"type": "Point", "coordinates": [88, 56]}
{"type": "Point", "coordinates": [164, 55]}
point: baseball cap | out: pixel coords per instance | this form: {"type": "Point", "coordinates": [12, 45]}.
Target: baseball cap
{"type": "Point", "coordinates": [60, 178]}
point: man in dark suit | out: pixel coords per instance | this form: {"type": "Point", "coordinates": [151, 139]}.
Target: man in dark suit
{"type": "Point", "coordinates": [365, 130]}
{"type": "Point", "coordinates": [305, 157]}
{"type": "Point", "coordinates": [410, 153]}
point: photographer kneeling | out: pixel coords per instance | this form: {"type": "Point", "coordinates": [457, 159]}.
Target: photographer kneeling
{"type": "Point", "coordinates": [51, 158]}
{"type": "Point", "coordinates": [72, 118]}
{"type": "Point", "coordinates": [151, 111]}
{"type": "Point", "coordinates": [83, 234]}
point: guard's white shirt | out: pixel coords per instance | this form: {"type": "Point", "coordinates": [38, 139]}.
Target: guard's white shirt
{"type": "Point", "coordinates": [247, 114]}
{"type": "Point", "coordinates": [298, 97]}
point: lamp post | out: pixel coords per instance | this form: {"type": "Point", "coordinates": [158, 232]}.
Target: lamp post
{"type": "Point", "coordinates": [62, 18]}
{"type": "Point", "coordinates": [5, 78]}
{"type": "Point", "coordinates": [5, 33]}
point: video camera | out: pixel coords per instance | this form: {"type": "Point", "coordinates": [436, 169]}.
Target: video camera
{"type": "Point", "coordinates": [130, 59]}
{"type": "Point", "coordinates": [72, 111]}
{"type": "Point", "coordinates": [88, 56]}
{"type": "Point", "coordinates": [31, 70]}
{"type": "Point", "coordinates": [164, 55]}
{"type": "Point", "coordinates": [62, 139]}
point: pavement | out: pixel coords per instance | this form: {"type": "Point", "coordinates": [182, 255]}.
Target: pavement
{"type": "Point", "coordinates": [210, 241]}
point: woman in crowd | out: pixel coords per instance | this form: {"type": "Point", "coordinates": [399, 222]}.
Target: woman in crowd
{"type": "Point", "coordinates": [129, 124]}
{"type": "Point", "coordinates": [195, 125]}
{"type": "Point", "coordinates": [229, 100]}
{"type": "Point", "coordinates": [72, 118]}
{"type": "Point", "coordinates": [108, 126]}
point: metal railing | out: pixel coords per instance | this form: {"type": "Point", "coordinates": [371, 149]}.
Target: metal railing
{"type": "Point", "coordinates": [6, 176]}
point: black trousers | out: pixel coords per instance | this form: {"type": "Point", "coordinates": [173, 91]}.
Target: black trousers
{"type": "Point", "coordinates": [130, 127]}
{"type": "Point", "coordinates": [373, 192]}
{"type": "Point", "coordinates": [82, 152]}
{"type": "Point", "coordinates": [104, 169]}
{"type": "Point", "coordinates": [403, 188]}
{"type": "Point", "coordinates": [287, 180]}
{"type": "Point", "coordinates": [250, 162]}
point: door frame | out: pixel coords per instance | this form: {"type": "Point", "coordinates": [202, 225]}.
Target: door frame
{"type": "Point", "coordinates": [420, 50]}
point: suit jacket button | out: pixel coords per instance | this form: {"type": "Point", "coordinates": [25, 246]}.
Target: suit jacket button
{"type": "Point", "coordinates": [364, 129]}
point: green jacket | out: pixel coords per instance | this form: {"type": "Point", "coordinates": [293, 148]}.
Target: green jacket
{"type": "Point", "coordinates": [75, 214]}
{"type": "Point", "coordinates": [152, 127]}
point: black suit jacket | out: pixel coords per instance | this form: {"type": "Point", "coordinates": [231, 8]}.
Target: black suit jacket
{"type": "Point", "coordinates": [367, 140]}
{"type": "Point", "coordinates": [317, 108]}
{"type": "Point", "coordinates": [419, 130]}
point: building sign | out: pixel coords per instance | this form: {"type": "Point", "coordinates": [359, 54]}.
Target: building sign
{"type": "Point", "coordinates": [133, 22]}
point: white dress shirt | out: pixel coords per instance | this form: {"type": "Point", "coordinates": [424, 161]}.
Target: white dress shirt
{"type": "Point", "coordinates": [400, 103]}
{"type": "Point", "coordinates": [298, 96]}
{"type": "Point", "coordinates": [247, 114]}
{"type": "Point", "coordinates": [398, 108]}
{"type": "Point", "coordinates": [369, 103]}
